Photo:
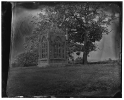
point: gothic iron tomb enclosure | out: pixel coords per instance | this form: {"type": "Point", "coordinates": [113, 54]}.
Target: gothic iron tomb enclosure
{"type": "Point", "coordinates": [52, 47]}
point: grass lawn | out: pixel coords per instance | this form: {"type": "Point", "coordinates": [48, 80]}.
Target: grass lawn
{"type": "Point", "coordinates": [95, 80]}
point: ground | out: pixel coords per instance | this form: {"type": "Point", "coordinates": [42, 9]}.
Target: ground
{"type": "Point", "coordinates": [93, 80]}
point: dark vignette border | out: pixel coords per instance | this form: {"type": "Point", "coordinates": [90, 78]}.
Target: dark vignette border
{"type": "Point", "coordinates": [6, 15]}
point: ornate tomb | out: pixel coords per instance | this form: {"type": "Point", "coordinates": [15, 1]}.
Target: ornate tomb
{"type": "Point", "coordinates": [52, 47]}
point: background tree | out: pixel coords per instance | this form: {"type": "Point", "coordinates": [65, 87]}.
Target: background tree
{"type": "Point", "coordinates": [31, 42]}
{"type": "Point", "coordinates": [41, 23]}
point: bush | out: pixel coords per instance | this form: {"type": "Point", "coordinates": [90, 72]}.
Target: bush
{"type": "Point", "coordinates": [26, 59]}
{"type": "Point", "coordinates": [14, 64]}
{"type": "Point", "coordinates": [78, 60]}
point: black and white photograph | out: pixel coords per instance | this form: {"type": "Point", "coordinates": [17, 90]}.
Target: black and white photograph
{"type": "Point", "coordinates": [59, 49]}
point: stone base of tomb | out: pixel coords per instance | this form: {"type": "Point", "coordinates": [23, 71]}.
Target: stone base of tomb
{"type": "Point", "coordinates": [57, 64]}
{"type": "Point", "coordinates": [52, 62]}
{"type": "Point", "coordinates": [42, 63]}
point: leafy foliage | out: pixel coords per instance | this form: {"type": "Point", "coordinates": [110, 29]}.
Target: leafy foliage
{"type": "Point", "coordinates": [26, 59]}
{"type": "Point", "coordinates": [85, 22]}
{"type": "Point", "coordinates": [78, 60]}
{"type": "Point", "coordinates": [31, 42]}
{"type": "Point", "coordinates": [81, 19]}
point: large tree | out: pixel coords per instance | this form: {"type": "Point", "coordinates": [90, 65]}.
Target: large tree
{"type": "Point", "coordinates": [86, 22]}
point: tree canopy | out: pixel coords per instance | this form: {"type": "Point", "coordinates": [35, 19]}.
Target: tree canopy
{"type": "Point", "coordinates": [86, 22]}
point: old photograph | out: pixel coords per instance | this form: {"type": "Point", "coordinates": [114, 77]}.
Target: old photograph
{"type": "Point", "coordinates": [63, 49]}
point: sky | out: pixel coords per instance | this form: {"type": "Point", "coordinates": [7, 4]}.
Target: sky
{"type": "Point", "coordinates": [108, 45]}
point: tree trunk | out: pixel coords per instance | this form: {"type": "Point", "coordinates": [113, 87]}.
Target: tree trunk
{"type": "Point", "coordinates": [85, 58]}
{"type": "Point", "coordinates": [85, 50]}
